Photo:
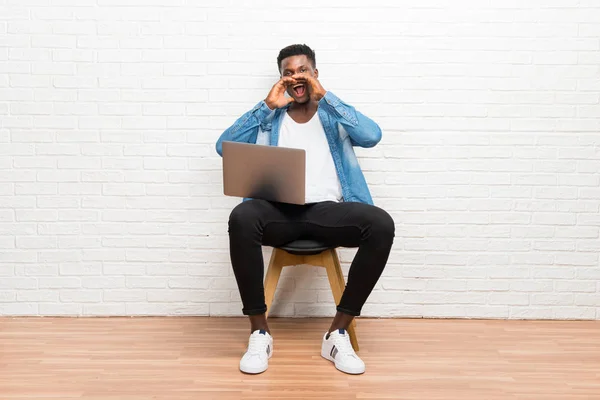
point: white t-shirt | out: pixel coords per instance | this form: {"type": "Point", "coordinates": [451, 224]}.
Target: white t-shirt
{"type": "Point", "coordinates": [322, 182]}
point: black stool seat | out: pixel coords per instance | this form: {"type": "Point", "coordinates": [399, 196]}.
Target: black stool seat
{"type": "Point", "coordinates": [304, 247]}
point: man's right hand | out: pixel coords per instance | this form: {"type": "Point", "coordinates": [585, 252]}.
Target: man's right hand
{"type": "Point", "coordinates": [276, 97]}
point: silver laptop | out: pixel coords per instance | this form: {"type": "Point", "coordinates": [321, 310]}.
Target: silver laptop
{"type": "Point", "coordinates": [264, 172]}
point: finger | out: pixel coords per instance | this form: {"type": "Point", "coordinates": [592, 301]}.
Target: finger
{"type": "Point", "coordinates": [288, 81]}
{"type": "Point", "coordinates": [310, 79]}
{"type": "Point", "coordinates": [282, 87]}
{"type": "Point", "coordinates": [307, 80]}
{"type": "Point", "coordinates": [279, 85]}
{"type": "Point", "coordinates": [290, 100]}
{"type": "Point", "coordinates": [300, 77]}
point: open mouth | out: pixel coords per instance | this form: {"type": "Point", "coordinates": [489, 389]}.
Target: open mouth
{"type": "Point", "coordinates": [299, 90]}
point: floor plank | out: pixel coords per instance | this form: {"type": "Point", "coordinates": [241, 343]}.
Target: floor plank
{"type": "Point", "coordinates": [197, 358]}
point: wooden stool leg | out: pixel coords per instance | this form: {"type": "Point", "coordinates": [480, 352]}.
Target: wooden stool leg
{"type": "Point", "coordinates": [272, 277]}
{"type": "Point", "coordinates": [337, 283]}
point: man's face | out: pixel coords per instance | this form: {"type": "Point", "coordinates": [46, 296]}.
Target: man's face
{"type": "Point", "coordinates": [293, 65]}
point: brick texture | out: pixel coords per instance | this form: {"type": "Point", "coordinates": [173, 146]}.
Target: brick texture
{"type": "Point", "coordinates": [110, 189]}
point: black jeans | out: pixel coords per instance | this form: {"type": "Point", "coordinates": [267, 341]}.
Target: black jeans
{"type": "Point", "coordinates": [258, 222]}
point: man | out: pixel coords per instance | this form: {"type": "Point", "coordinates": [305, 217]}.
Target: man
{"type": "Point", "coordinates": [339, 210]}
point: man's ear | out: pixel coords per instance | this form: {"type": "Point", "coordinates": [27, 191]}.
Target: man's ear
{"type": "Point", "coordinates": [316, 73]}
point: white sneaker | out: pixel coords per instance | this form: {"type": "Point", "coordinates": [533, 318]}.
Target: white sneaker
{"type": "Point", "coordinates": [338, 349]}
{"type": "Point", "coordinates": [260, 349]}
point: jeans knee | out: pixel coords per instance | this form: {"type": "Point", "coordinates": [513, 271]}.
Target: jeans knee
{"type": "Point", "coordinates": [383, 226]}
{"type": "Point", "coordinates": [244, 217]}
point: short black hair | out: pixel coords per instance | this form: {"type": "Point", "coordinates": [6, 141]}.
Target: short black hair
{"type": "Point", "coordinates": [296, 50]}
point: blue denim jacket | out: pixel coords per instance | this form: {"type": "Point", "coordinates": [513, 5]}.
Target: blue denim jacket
{"type": "Point", "coordinates": [344, 127]}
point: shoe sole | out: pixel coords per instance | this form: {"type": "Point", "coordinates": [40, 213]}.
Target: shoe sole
{"type": "Point", "coordinates": [348, 371]}
{"type": "Point", "coordinates": [254, 372]}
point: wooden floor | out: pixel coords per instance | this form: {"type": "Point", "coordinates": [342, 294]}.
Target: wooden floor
{"type": "Point", "coordinates": [197, 358]}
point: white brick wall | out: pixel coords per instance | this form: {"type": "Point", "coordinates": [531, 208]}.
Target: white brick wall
{"type": "Point", "coordinates": [110, 188]}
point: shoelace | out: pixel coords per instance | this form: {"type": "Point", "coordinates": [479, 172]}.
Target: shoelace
{"type": "Point", "coordinates": [342, 343]}
{"type": "Point", "coordinates": [258, 343]}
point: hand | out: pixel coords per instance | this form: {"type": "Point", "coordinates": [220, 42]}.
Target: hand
{"type": "Point", "coordinates": [276, 97]}
{"type": "Point", "coordinates": [316, 91]}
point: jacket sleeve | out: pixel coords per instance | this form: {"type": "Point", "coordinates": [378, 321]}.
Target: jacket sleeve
{"type": "Point", "coordinates": [245, 129]}
{"type": "Point", "coordinates": [363, 131]}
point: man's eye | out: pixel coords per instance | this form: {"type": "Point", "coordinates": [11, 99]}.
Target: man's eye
{"type": "Point", "coordinates": [303, 70]}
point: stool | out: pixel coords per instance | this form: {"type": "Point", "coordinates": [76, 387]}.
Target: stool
{"type": "Point", "coordinates": [313, 253]}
